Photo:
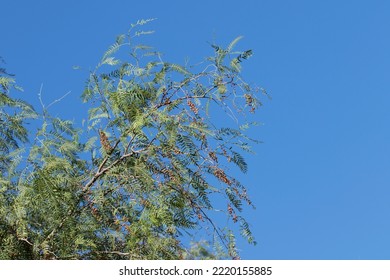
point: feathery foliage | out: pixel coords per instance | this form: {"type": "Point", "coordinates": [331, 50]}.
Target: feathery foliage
{"type": "Point", "coordinates": [155, 174]}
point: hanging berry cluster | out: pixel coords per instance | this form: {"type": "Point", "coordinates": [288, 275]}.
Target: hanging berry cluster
{"type": "Point", "coordinates": [105, 143]}
{"type": "Point", "coordinates": [192, 107]}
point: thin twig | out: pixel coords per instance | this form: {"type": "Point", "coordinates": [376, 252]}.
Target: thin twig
{"type": "Point", "coordinates": [40, 97]}
{"type": "Point", "coordinates": [25, 240]}
{"type": "Point", "coordinates": [114, 252]}
{"type": "Point", "coordinates": [58, 100]}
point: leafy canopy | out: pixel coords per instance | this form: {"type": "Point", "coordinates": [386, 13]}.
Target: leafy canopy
{"type": "Point", "coordinates": [150, 167]}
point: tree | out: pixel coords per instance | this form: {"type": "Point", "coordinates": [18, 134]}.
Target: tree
{"type": "Point", "coordinates": [148, 168]}
{"type": "Point", "coordinates": [13, 114]}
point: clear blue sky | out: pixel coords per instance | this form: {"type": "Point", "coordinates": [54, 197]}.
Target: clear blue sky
{"type": "Point", "coordinates": [321, 179]}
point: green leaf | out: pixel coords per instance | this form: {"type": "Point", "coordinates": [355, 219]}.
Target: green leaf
{"type": "Point", "coordinates": [233, 43]}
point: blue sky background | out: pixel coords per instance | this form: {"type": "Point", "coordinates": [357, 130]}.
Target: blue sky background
{"type": "Point", "coordinates": [321, 179]}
